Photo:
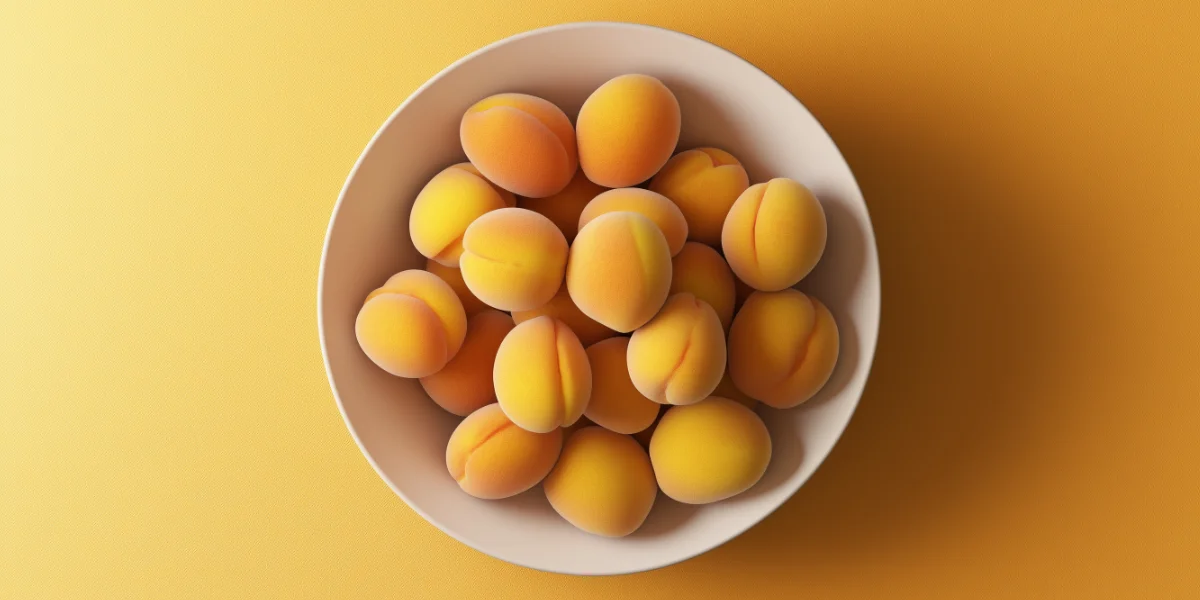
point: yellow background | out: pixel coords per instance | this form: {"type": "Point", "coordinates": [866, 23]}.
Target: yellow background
{"type": "Point", "coordinates": [1030, 429]}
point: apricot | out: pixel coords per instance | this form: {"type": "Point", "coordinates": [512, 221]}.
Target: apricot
{"type": "Point", "coordinates": [679, 356]}
{"type": "Point", "coordinates": [627, 129]}
{"type": "Point", "coordinates": [726, 389]}
{"type": "Point", "coordinates": [444, 208]}
{"type": "Point", "coordinates": [709, 451]}
{"type": "Point", "coordinates": [513, 259]}
{"type": "Point", "coordinates": [774, 234]}
{"type": "Point", "coordinates": [509, 199]}
{"type": "Point", "coordinates": [453, 276]}
{"type": "Point", "coordinates": [562, 308]}
{"type": "Point", "coordinates": [492, 458]}
{"type": "Point", "coordinates": [412, 325]}
{"type": "Point", "coordinates": [783, 347]}
{"type": "Point", "coordinates": [603, 483]}
{"type": "Point", "coordinates": [523, 143]}
{"type": "Point", "coordinates": [619, 270]}
{"type": "Point", "coordinates": [704, 182]}
{"type": "Point", "coordinates": [542, 376]}
{"type": "Point", "coordinates": [699, 270]}
{"type": "Point", "coordinates": [564, 208]}
{"type": "Point", "coordinates": [655, 207]}
{"type": "Point", "coordinates": [616, 405]}
{"type": "Point", "coordinates": [465, 383]}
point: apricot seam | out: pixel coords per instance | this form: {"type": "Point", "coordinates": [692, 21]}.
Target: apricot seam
{"type": "Point", "coordinates": [812, 335]}
{"type": "Point", "coordinates": [682, 357]}
{"type": "Point", "coordinates": [383, 292]}
{"type": "Point", "coordinates": [470, 453]}
{"type": "Point", "coordinates": [560, 407]}
{"type": "Point", "coordinates": [448, 246]}
{"type": "Point", "coordinates": [754, 227]}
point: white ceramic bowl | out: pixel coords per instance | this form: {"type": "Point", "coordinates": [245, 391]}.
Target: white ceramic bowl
{"type": "Point", "coordinates": [726, 102]}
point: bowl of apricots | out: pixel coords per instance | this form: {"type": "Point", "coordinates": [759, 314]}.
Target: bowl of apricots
{"type": "Point", "coordinates": [598, 298]}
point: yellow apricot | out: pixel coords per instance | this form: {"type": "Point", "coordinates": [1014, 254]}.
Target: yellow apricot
{"type": "Point", "coordinates": [513, 259]}
{"type": "Point", "coordinates": [774, 234]}
{"type": "Point", "coordinates": [679, 356]}
{"type": "Point", "coordinates": [465, 383]}
{"type": "Point", "coordinates": [492, 458]}
{"type": "Point", "coordinates": [542, 376]}
{"type": "Point", "coordinates": [709, 451]}
{"type": "Point", "coordinates": [453, 276]}
{"type": "Point", "coordinates": [782, 347]}
{"type": "Point", "coordinates": [603, 483]}
{"type": "Point", "coordinates": [565, 207]}
{"type": "Point", "coordinates": [444, 208]}
{"type": "Point", "coordinates": [616, 405]}
{"type": "Point", "coordinates": [704, 183]}
{"type": "Point", "coordinates": [509, 199]}
{"type": "Point", "coordinates": [523, 143]}
{"type": "Point", "coordinates": [619, 270]}
{"type": "Point", "coordinates": [700, 271]}
{"type": "Point", "coordinates": [562, 308]}
{"type": "Point", "coordinates": [627, 129]}
{"type": "Point", "coordinates": [655, 207]}
{"type": "Point", "coordinates": [412, 325]}
{"type": "Point", "coordinates": [726, 389]}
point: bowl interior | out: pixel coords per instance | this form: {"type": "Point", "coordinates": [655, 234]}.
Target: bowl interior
{"type": "Point", "coordinates": [725, 102]}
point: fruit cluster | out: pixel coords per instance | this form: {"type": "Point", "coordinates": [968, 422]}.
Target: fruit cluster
{"type": "Point", "coordinates": [577, 320]}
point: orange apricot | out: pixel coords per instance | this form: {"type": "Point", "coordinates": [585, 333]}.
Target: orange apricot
{"type": "Point", "coordinates": [523, 143]}
{"type": "Point", "coordinates": [465, 383]}
{"type": "Point", "coordinates": [619, 270]}
{"type": "Point", "coordinates": [627, 129]}
{"type": "Point", "coordinates": [412, 325]}
{"type": "Point", "coordinates": [783, 347]}
{"type": "Point", "coordinates": [704, 182]}
{"type": "Point", "coordinates": [492, 458]}
{"type": "Point", "coordinates": [655, 207]}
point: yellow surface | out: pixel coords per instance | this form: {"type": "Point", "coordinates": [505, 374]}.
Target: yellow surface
{"type": "Point", "coordinates": [1030, 429]}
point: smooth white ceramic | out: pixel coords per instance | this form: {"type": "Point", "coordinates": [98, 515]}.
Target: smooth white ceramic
{"type": "Point", "coordinates": [726, 102]}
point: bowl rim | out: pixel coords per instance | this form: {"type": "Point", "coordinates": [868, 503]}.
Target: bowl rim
{"type": "Point", "coordinates": [867, 359]}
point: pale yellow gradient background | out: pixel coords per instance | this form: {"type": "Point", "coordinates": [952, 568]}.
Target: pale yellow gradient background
{"type": "Point", "coordinates": [1031, 429]}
